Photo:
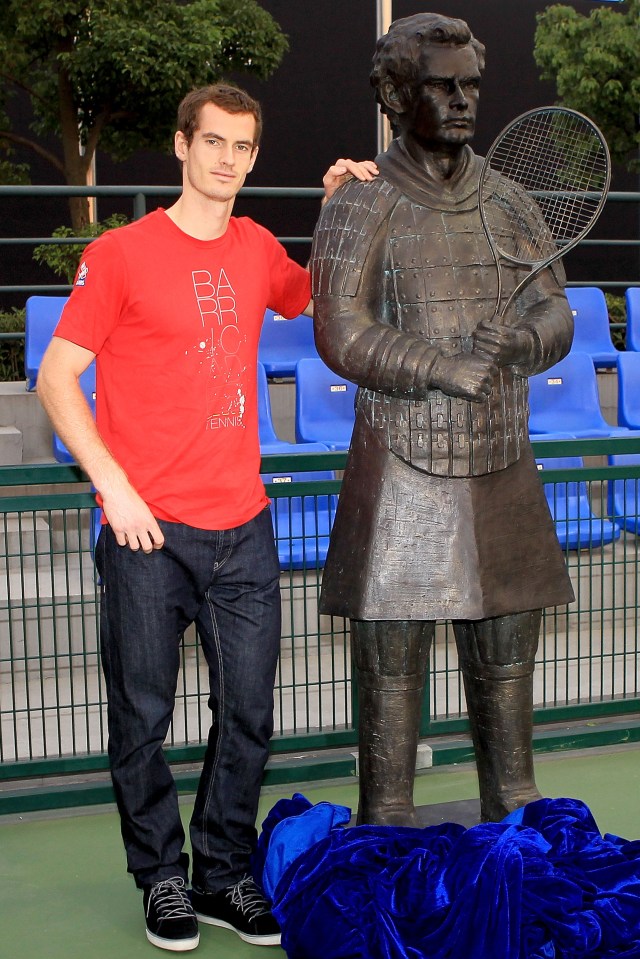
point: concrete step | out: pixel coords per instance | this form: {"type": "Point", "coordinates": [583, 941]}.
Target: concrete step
{"type": "Point", "coordinates": [22, 537]}
{"type": "Point", "coordinates": [22, 410]}
{"type": "Point", "coordinates": [11, 446]}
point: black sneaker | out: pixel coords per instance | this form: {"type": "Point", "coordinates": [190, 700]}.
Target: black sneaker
{"type": "Point", "coordinates": [242, 908]}
{"type": "Point", "coordinates": [171, 921]}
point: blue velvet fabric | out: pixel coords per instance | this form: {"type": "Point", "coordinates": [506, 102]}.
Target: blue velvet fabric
{"type": "Point", "coordinates": [541, 884]}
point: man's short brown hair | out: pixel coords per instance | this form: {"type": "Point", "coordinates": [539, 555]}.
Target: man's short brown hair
{"type": "Point", "coordinates": [223, 95]}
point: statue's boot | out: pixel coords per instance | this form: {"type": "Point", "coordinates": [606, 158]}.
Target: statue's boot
{"type": "Point", "coordinates": [391, 659]}
{"type": "Point", "coordinates": [497, 661]}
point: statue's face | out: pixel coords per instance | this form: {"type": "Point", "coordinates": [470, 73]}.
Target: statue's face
{"type": "Point", "coordinates": [445, 101]}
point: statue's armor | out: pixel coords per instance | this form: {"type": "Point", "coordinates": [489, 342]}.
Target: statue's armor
{"type": "Point", "coordinates": [439, 282]}
{"type": "Point", "coordinates": [440, 500]}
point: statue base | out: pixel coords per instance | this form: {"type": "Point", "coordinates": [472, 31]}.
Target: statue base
{"type": "Point", "coordinates": [465, 812]}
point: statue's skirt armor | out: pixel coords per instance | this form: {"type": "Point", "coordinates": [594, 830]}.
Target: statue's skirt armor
{"type": "Point", "coordinates": [410, 545]}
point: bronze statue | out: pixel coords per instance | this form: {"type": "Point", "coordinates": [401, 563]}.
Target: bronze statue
{"type": "Point", "coordinates": [441, 513]}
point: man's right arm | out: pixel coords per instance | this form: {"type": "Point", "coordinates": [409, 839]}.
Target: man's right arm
{"type": "Point", "coordinates": [58, 389]}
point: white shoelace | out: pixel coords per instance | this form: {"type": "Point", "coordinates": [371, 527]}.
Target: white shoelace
{"type": "Point", "coordinates": [170, 899]}
{"type": "Point", "coordinates": [248, 898]}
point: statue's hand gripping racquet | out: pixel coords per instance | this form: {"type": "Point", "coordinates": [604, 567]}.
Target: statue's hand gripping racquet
{"type": "Point", "coordinates": [542, 187]}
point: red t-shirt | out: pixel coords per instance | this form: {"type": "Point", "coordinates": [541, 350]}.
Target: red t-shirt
{"type": "Point", "coordinates": [175, 324]}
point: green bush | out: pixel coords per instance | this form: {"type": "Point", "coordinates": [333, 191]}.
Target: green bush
{"type": "Point", "coordinates": [12, 351]}
{"type": "Point", "coordinates": [617, 314]}
{"type": "Point", "coordinates": [64, 258]}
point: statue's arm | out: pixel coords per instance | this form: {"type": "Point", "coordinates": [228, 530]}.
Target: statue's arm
{"type": "Point", "coordinates": [353, 343]}
{"type": "Point", "coordinates": [548, 317]}
{"type": "Point", "coordinates": [543, 332]}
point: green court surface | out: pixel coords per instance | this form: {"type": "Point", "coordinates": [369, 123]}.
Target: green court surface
{"type": "Point", "coordinates": [64, 892]}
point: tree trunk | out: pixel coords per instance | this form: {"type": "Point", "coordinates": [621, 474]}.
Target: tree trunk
{"type": "Point", "coordinates": [76, 165]}
{"type": "Point", "coordinates": [79, 211]}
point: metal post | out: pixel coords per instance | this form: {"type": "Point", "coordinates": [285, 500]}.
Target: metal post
{"type": "Point", "coordinates": [384, 16]}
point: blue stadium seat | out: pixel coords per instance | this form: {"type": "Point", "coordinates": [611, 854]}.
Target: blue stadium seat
{"type": "Point", "coordinates": [88, 387]}
{"type": "Point", "coordinates": [629, 390]}
{"type": "Point", "coordinates": [577, 527]}
{"type": "Point", "coordinates": [623, 495]}
{"type": "Point", "coordinates": [543, 437]}
{"type": "Point", "coordinates": [270, 442]}
{"type": "Point", "coordinates": [565, 399]}
{"type": "Point", "coordinates": [324, 405]}
{"type": "Point", "coordinates": [284, 342]}
{"type": "Point", "coordinates": [302, 523]}
{"type": "Point", "coordinates": [632, 301]}
{"type": "Point", "coordinates": [592, 333]}
{"type": "Point", "coordinates": [41, 318]}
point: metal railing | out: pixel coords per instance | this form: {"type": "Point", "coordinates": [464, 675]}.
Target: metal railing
{"type": "Point", "coordinates": [52, 702]}
{"type": "Point", "coordinates": [139, 195]}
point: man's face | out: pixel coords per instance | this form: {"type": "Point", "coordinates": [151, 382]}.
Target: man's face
{"type": "Point", "coordinates": [445, 102]}
{"type": "Point", "coordinates": [220, 155]}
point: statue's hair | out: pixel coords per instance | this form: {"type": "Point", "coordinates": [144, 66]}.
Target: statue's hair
{"type": "Point", "coordinates": [397, 57]}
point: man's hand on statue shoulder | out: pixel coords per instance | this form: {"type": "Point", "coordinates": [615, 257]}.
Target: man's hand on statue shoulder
{"type": "Point", "coordinates": [506, 345]}
{"type": "Point", "coordinates": [467, 375]}
{"type": "Point", "coordinates": [343, 170]}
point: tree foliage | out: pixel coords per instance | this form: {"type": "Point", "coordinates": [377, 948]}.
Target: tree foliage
{"type": "Point", "coordinates": [12, 351]}
{"type": "Point", "coordinates": [113, 71]}
{"type": "Point", "coordinates": [63, 258]}
{"type": "Point", "coordinates": [593, 61]}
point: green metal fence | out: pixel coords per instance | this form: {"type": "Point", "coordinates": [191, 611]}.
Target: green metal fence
{"type": "Point", "coordinates": [52, 703]}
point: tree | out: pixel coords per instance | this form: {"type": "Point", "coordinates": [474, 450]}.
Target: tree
{"type": "Point", "coordinates": [111, 72]}
{"type": "Point", "coordinates": [594, 63]}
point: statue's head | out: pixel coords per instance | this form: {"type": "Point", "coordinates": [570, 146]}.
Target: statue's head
{"type": "Point", "coordinates": [420, 56]}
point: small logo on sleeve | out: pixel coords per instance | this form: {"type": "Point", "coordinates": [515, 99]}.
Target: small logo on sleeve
{"type": "Point", "coordinates": [83, 271]}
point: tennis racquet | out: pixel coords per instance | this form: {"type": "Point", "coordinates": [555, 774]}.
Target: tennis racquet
{"type": "Point", "coordinates": [542, 187]}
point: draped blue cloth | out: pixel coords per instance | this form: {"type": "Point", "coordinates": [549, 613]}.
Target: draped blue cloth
{"type": "Point", "coordinates": [541, 884]}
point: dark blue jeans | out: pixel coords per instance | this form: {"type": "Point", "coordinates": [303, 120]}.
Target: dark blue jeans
{"type": "Point", "coordinates": [227, 582]}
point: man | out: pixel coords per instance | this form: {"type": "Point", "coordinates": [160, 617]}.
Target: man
{"type": "Point", "coordinates": [172, 307]}
{"type": "Point", "coordinates": [441, 514]}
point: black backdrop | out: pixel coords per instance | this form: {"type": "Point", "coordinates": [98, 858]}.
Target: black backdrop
{"type": "Point", "coordinates": [319, 106]}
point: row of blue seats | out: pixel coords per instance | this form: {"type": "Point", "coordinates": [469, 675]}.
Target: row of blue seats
{"type": "Point", "coordinates": [577, 525]}
{"type": "Point", "coordinates": [284, 342]}
{"type": "Point", "coordinates": [565, 404]}
{"type": "Point", "coordinates": [302, 523]}
{"type": "Point", "coordinates": [565, 399]}
{"type": "Point", "coordinates": [324, 408]}
{"type": "Point", "coordinates": [592, 333]}
{"type": "Point", "coordinates": [324, 422]}
{"type": "Point", "coordinates": [324, 411]}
